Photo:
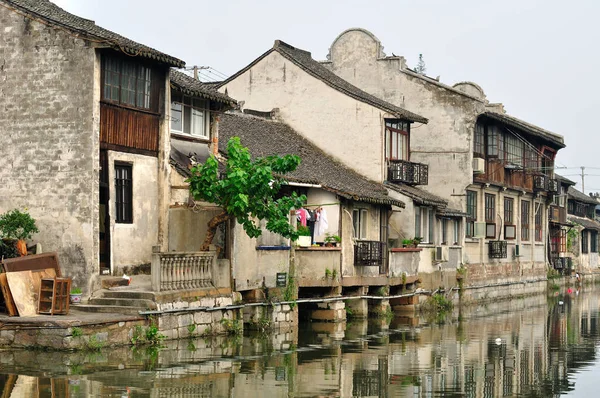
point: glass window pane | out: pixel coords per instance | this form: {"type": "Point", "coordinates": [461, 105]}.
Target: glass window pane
{"type": "Point", "coordinates": [176, 116]}
{"type": "Point", "coordinates": [197, 122]}
{"type": "Point", "coordinates": [363, 224]}
{"type": "Point", "coordinates": [187, 120]}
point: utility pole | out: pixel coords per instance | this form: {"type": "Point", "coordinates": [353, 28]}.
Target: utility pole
{"type": "Point", "coordinates": [582, 179]}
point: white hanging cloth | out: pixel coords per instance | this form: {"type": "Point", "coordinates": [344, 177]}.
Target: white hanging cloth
{"type": "Point", "coordinates": [321, 225]}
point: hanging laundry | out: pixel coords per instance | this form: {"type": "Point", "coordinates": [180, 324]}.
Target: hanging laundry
{"type": "Point", "coordinates": [302, 216]}
{"type": "Point", "coordinates": [322, 224]}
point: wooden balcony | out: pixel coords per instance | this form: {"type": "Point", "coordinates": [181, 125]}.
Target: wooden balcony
{"type": "Point", "coordinates": [408, 172]}
{"type": "Point", "coordinates": [369, 253]}
{"type": "Point", "coordinates": [553, 186]}
{"type": "Point", "coordinates": [497, 249]}
{"type": "Point", "coordinates": [540, 183]}
{"type": "Point", "coordinates": [557, 214]}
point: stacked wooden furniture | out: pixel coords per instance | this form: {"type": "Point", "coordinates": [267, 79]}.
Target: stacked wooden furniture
{"type": "Point", "coordinates": [21, 285]}
{"type": "Point", "coordinates": [53, 298]}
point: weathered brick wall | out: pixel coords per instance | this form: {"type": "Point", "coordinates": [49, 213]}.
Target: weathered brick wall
{"type": "Point", "coordinates": [49, 143]}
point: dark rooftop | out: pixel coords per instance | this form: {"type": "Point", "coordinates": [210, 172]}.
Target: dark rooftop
{"type": "Point", "coordinates": [55, 15]}
{"type": "Point", "coordinates": [304, 60]}
{"type": "Point", "coordinates": [195, 88]}
{"type": "Point", "coordinates": [580, 196]}
{"type": "Point", "coordinates": [528, 128]}
{"type": "Point", "coordinates": [418, 195]}
{"type": "Point", "coordinates": [266, 137]}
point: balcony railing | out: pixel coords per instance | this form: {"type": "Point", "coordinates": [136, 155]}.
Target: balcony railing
{"type": "Point", "coordinates": [540, 183]}
{"type": "Point", "coordinates": [557, 214]}
{"type": "Point", "coordinates": [369, 252]}
{"type": "Point", "coordinates": [182, 270]}
{"type": "Point", "coordinates": [408, 172]}
{"type": "Point", "coordinates": [553, 185]}
{"type": "Point", "coordinates": [497, 249]}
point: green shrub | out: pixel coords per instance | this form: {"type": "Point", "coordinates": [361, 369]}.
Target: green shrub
{"type": "Point", "coordinates": [15, 224]}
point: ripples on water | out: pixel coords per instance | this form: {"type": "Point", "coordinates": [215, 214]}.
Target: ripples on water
{"type": "Point", "coordinates": [527, 348]}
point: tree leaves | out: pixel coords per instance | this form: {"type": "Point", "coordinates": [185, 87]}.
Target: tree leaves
{"type": "Point", "coordinates": [248, 190]}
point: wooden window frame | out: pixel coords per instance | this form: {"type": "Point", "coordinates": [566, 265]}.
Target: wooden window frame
{"type": "Point", "coordinates": [190, 107]}
{"type": "Point", "coordinates": [360, 218]}
{"type": "Point", "coordinates": [490, 215]}
{"type": "Point", "coordinates": [123, 195]}
{"type": "Point", "coordinates": [509, 212]}
{"type": "Point", "coordinates": [538, 221]}
{"type": "Point", "coordinates": [584, 242]}
{"type": "Point", "coordinates": [593, 241]}
{"type": "Point", "coordinates": [479, 141]}
{"type": "Point", "coordinates": [471, 218]}
{"type": "Point", "coordinates": [403, 134]}
{"type": "Point", "coordinates": [149, 94]}
{"type": "Point", "coordinates": [525, 214]}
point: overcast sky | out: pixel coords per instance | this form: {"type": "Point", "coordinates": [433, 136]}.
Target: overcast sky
{"type": "Point", "coordinates": [539, 58]}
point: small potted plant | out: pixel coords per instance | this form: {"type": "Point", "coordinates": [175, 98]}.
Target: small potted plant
{"type": "Point", "coordinates": [76, 295]}
{"type": "Point", "coordinates": [304, 238]}
{"type": "Point", "coordinates": [407, 243]}
{"type": "Point", "coordinates": [332, 240]}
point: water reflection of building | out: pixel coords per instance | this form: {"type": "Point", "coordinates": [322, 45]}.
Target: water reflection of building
{"type": "Point", "coordinates": [542, 343]}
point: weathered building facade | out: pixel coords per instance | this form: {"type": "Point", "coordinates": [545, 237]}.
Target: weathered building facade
{"type": "Point", "coordinates": [362, 132]}
{"type": "Point", "coordinates": [494, 167]}
{"type": "Point", "coordinates": [85, 143]}
{"type": "Point", "coordinates": [585, 230]}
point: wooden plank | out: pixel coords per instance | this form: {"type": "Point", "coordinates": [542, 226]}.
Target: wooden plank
{"type": "Point", "coordinates": [9, 386]}
{"type": "Point", "coordinates": [8, 299]}
{"type": "Point", "coordinates": [31, 263]}
{"type": "Point", "coordinates": [24, 295]}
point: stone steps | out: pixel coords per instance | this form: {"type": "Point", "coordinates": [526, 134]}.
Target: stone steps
{"type": "Point", "coordinates": [104, 309]}
{"type": "Point", "coordinates": [127, 295]}
{"type": "Point", "coordinates": [136, 303]}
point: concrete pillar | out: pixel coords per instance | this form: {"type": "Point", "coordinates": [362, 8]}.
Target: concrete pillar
{"type": "Point", "coordinates": [357, 308]}
{"type": "Point", "coordinates": [404, 304]}
{"type": "Point", "coordinates": [379, 308]}
{"type": "Point", "coordinates": [331, 311]}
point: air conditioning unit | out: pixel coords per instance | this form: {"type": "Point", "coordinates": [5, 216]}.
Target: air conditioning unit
{"type": "Point", "coordinates": [478, 166]}
{"type": "Point", "coordinates": [479, 230]}
{"type": "Point", "coordinates": [441, 253]}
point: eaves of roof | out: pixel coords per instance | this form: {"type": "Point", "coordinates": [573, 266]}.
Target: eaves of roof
{"type": "Point", "coordinates": [52, 14]}
{"type": "Point", "coordinates": [557, 140]}
{"type": "Point", "coordinates": [195, 88]}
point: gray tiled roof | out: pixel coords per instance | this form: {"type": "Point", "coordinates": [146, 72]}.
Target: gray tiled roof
{"type": "Point", "coordinates": [528, 128]}
{"type": "Point", "coordinates": [266, 137]}
{"type": "Point", "coordinates": [584, 222]}
{"type": "Point", "coordinates": [304, 60]}
{"type": "Point", "coordinates": [580, 196]}
{"type": "Point", "coordinates": [52, 14]}
{"type": "Point", "coordinates": [418, 195]}
{"type": "Point", "coordinates": [193, 87]}
{"type": "Point", "coordinates": [564, 180]}
{"type": "Point", "coordinates": [451, 213]}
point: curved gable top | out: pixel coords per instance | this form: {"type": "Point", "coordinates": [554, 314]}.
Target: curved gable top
{"type": "Point", "coordinates": [376, 41]}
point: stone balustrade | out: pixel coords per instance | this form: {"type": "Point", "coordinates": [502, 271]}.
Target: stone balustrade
{"type": "Point", "coordinates": [182, 270]}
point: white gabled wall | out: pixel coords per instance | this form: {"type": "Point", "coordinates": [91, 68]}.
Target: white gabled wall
{"type": "Point", "coordinates": [349, 130]}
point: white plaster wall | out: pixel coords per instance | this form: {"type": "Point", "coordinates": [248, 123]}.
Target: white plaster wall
{"type": "Point", "coordinates": [445, 142]}
{"type": "Point", "coordinates": [349, 130]}
{"type": "Point", "coordinates": [131, 244]}
{"type": "Point", "coordinates": [255, 269]}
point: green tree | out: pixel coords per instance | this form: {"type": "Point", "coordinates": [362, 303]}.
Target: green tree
{"type": "Point", "coordinates": [420, 68]}
{"type": "Point", "coordinates": [247, 191]}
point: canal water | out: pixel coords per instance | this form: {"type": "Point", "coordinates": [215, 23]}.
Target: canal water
{"type": "Point", "coordinates": [528, 347]}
